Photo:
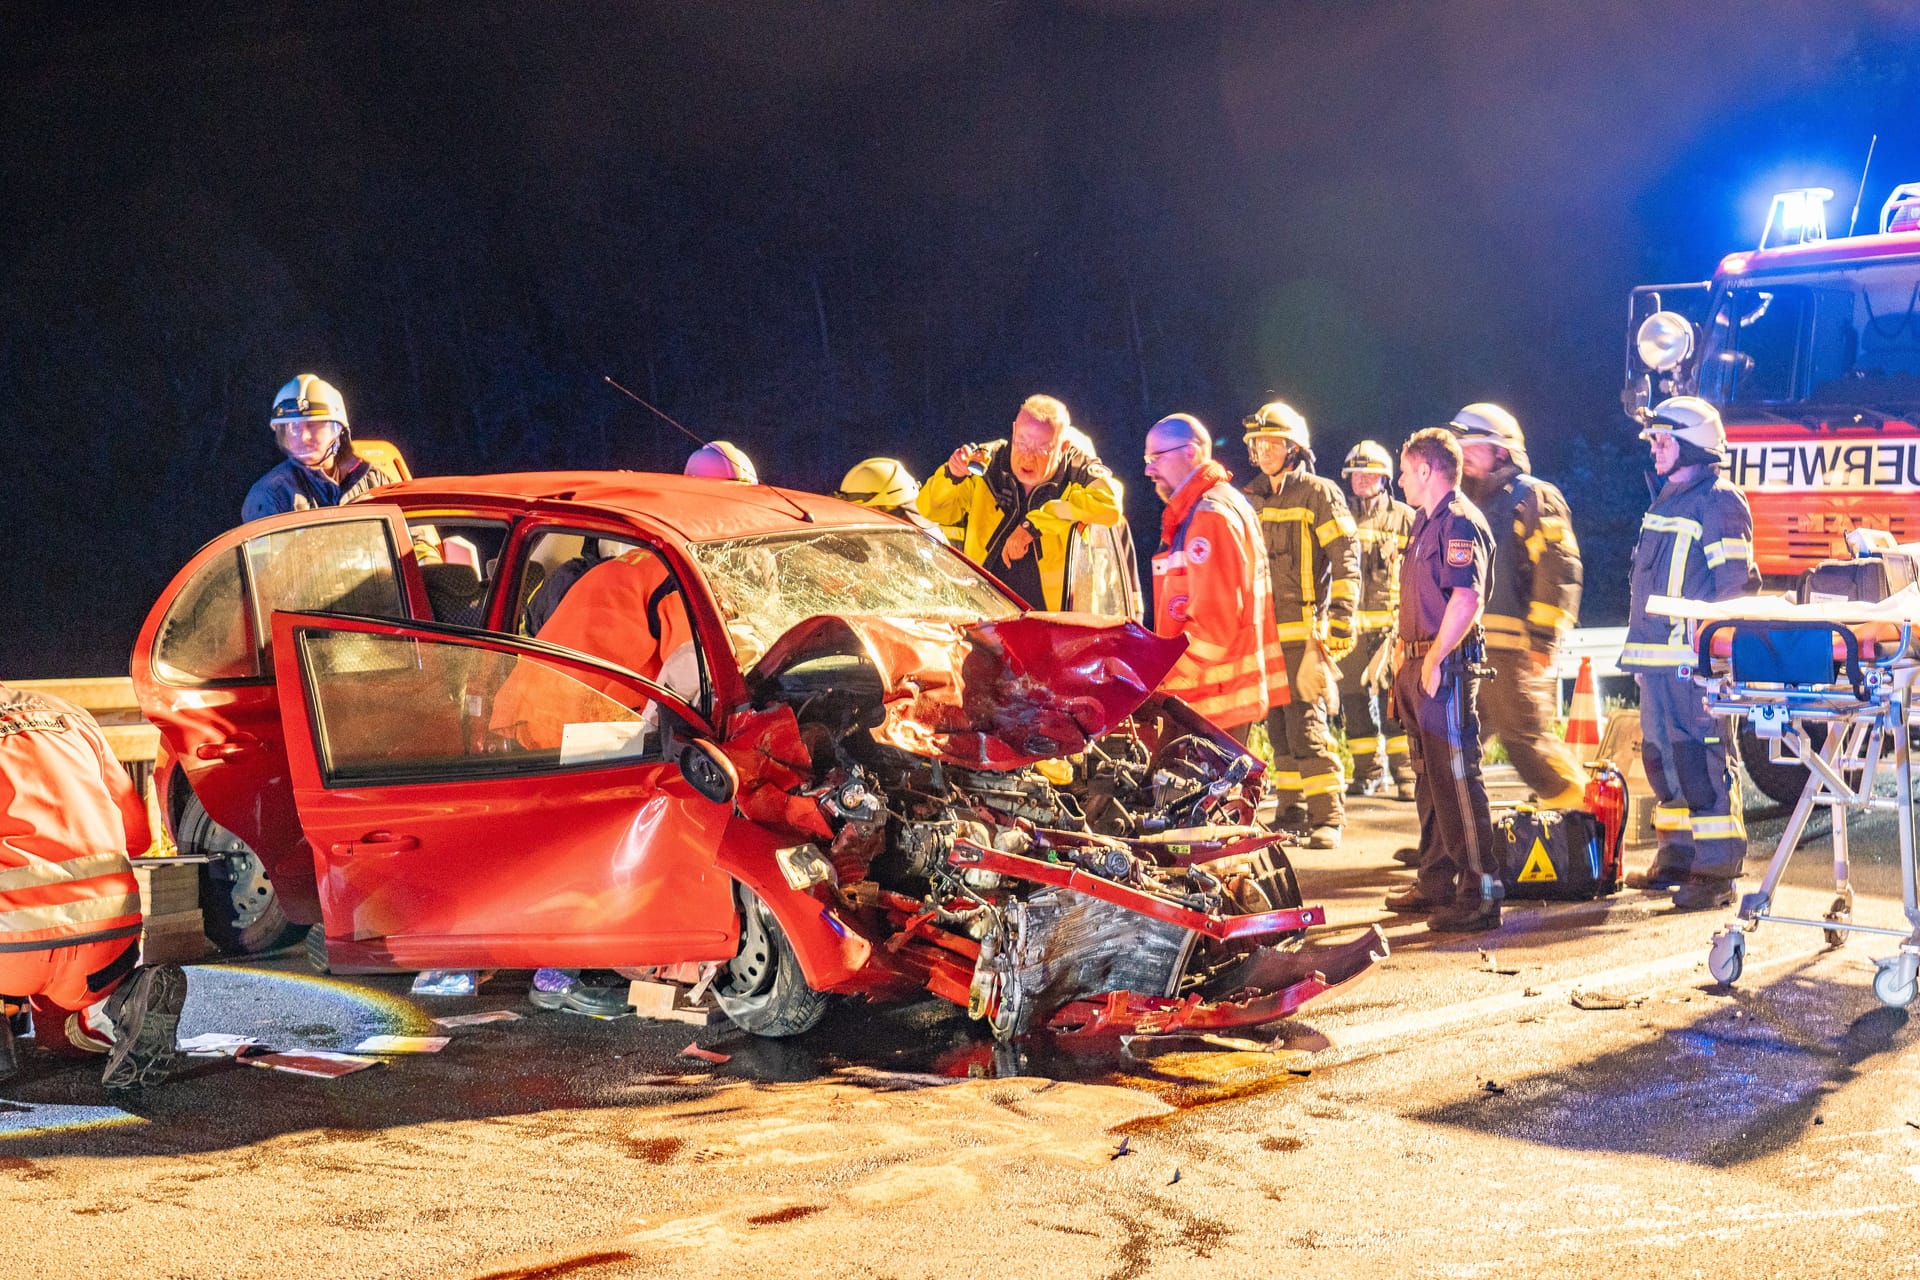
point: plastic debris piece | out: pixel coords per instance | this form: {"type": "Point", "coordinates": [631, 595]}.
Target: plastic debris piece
{"type": "Point", "coordinates": [402, 1044]}
{"type": "Point", "coordinates": [1495, 1089]}
{"type": "Point", "coordinates": [475, 1019]}
{"type": "Point", "coordinates": [1819, 1119]}
{"type": "Point", "coordinates": [705, 1055]}
{"type": "Point", "coordinates": [1175, 1178]}
{"type": "Point", "coordinates": [216, 1044]}
{"type": "Point", "coordinates": [1606, 999]}
{"type": "Point", "coordinates": [1120, 1150]}
{"type": "Point", "coordinates": [445, 982]}
{"type": "Point", "coordinates": [314, 1062]}
{"type": "Point", "coordinates": [1531, 991]}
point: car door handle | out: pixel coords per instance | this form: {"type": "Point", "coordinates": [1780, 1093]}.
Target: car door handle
{"type": "Point", "coordinates": [374, 842]}
{"type": "Point", "coordinates": [238, 745]}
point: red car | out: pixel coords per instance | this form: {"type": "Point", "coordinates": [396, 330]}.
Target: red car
{"type": "Point", "coordinates": [767, 742]}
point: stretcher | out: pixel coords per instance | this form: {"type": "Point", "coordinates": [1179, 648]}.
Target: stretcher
{"type": "Point", "coordinates": [1831, 685]}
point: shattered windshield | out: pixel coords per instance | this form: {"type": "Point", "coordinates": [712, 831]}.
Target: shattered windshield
{"type": "Point", "coordinates": [765, 585]}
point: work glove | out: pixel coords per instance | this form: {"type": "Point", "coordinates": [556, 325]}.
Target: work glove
{"type": "Point", "coordinates": [1339, 646]}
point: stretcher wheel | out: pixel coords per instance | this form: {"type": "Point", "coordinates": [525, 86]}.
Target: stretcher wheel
{"type": "Point", "coordinates": [1894, 983]}
{"type": "Point", "coordinates": [1841, 912]}
{"type": "Point", "coordinates": [1726, 955]}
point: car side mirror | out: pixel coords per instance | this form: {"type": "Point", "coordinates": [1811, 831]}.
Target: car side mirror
{"type": "Point", "coordinates": [708, 771]}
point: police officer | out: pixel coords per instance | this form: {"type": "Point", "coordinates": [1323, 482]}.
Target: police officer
{"type": "Point", "coordinates": [1315, 566]}
{"type": "Point", "coordinates": [1535, 600]}
{"type": "Point", "coordinates": [1695, 542]}
{"type": "Point", "coordinates": [1445, 577]}
{"type": "Point", "coordinates": [1381, 524]}
{"type": "Point", "coordinates": [321, 469]}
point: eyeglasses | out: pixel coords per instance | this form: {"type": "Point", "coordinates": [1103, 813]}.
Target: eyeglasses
{"type": "Point", "coordinates": [1160, 453]}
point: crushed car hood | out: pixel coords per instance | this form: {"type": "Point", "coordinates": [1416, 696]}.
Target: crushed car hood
{"type": "Point", "coordinates": [988, 695]}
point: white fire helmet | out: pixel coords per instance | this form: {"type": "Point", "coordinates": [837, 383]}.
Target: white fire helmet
{"type": "Point", "coordinates": [1368, 458]}
{"type": "Point", "coordinates": [307, 398]}
{"type": "Point", "coordinates": [1279, 419]}
{"type": "Point", "coordinates": [1692, 421]}
{"type": "Point", "coordinates": [879, 482]}
{"type": "Point", "coordinates": [1491, 424]}
{"type": "Point", "coordinates": [721, 460]}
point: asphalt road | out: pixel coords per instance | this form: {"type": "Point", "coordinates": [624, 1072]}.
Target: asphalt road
{"type": "Point", "coordinates": [1456, 1114]}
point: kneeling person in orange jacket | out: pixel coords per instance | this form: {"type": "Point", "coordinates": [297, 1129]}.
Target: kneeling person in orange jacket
{"type": "Point", "coordinates": [69, 907]}
{"type": "Point", "coordinates": [1210, 583]}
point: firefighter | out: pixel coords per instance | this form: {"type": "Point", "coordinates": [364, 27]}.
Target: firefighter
{"type": "Point", "coordinates": [721, 460]}
{"type": "Point", "coordinates": [1695, 542]}
{"type": "Point", "coordinates": [886, 485]}
{"type": "Point", "coordinates": [1020, 499]}
{"type": "Point", "coordinates": [1314, 564]}
{"type": "Point", "coordinates": [1381, 524]}
{"type": "Point", "coordinates": [1445, 578]}
{"type": "Point", "coordinates": [69, 906]}
{"type": "Point", "coordinates": [1536, 597]}
{"type": "Point", "coordinates": [1210, 582]}
{"type": "Point", "coordinates": [321, 469]}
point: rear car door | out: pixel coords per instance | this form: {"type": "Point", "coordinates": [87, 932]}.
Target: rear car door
{"type": "Point", "coordinates": [477, 800]}
{"type": "Point", "coordinates": [203, 672]}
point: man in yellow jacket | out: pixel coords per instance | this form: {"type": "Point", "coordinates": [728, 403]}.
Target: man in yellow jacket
{"type": "Point", "coordinates": [1020, 499]}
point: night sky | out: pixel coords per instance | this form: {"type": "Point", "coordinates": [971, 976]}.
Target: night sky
{"type": "Point", "coordinates": [829, 230]}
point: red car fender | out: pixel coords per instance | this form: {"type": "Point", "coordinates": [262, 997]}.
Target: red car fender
{"type": "Point", "coordinates": [834, 955]}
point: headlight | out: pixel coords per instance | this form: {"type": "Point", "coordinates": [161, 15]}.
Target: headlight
{"type": "Point", "coordinates": [1664, 341]}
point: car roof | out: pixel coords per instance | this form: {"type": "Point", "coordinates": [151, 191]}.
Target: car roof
{"type": "Point", "coordinates": [698, 510]}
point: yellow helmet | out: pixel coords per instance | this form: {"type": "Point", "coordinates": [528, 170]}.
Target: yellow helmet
{"type": "Point", "coordinates": [879, 482]}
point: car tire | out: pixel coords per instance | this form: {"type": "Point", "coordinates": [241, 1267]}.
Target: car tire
{"type": "Point", "coordinates": [1780, 781]}
{"type": "Point", "coordinates": [762, 988]}
{"type": "Point", "coordinates": [316, 949]}
{"type": "Point", "coordinates": [238, 909]}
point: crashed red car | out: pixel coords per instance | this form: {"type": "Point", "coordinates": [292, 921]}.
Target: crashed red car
{"type": "Point", "coordinates": [768, 743]}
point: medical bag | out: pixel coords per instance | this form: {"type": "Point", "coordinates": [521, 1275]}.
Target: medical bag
{"type": "Point", "coordinates": [1566, 855]}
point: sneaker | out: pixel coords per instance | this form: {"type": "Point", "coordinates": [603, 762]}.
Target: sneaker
{"type": "Point", "coordinates": [145, 1012]}
{"type": "Point", "coordinates": [1657, 880]}
{"type": "Point", "coordinates": [605, 1002]}
{"type": "Point", "coordinates": [1412, 902]}
{"type": "Point", "coordinates": [1407, 856]}
{"type": "Point", "coordinates": [1326, 837]}
{"type": "Point", "coordinates": [1466, 915]}
{"type": "Point", "coordinates": [1703, 893]}
{"type": "Point", "coordinates": [549, 988]}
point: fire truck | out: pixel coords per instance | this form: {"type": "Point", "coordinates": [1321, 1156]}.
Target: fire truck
{"type": "Point", "coordinates": [1810, 349]}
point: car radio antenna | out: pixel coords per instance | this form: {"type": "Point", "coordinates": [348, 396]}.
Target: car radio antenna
{"type": "Point", "coordinates": [659, 412]}
{"type": "Point", "coordinates": [1864, 169]}
{"type": "Point", "coordinates": [798, 510]}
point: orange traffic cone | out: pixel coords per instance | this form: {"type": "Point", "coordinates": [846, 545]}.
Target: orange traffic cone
{"type": "Point", "coordinates": [1583, 723]}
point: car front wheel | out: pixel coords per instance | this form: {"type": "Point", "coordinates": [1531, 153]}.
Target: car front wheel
{"type": "Point", "coordinates": [762, 989]}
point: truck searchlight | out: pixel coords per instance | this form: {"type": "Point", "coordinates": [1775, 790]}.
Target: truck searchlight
{"type": "Point", "coordinates": [1797, 217]}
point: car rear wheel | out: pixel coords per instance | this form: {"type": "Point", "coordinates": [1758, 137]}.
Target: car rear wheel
{"type": "Point", "coordinates": [762, 989]}
{"type": "Point", "coordinates": [1780, 781]}
{"type": "Point", "coordinates": [238, 909]}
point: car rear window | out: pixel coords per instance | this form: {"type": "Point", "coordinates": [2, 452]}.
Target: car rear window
{"type": "Point", "coordinates": [206, 634]}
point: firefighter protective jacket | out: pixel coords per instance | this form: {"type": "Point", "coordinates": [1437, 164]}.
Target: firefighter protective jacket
{"type": "Point", "coordinates": [1210, 585]}
{"type": "Point", "coordinates": [1381, 525]}
{"type": "Point", "coordinates": [1695, 542]}
{"type": "Point", "coordinates": [68, 817]}
{"type": "Point", "coordinates": [1537, 572]}
{"type": "Point", "coordinates": [294, 487]}
{"type": "Point", "coordinates": [1311, 553]}
{"type": "Point", "coordinates": [1080, 491]}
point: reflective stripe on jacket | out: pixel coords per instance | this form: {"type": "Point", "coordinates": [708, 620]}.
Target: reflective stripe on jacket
{"type": "Point", "coordinates": [1536, 588]}
{"type": "Point", "coordinates": [1080, 491]}
{"type": "Point", "coordinates": [1210, 585]}
{"type": "Point", "coordinates": [68, 817]}
{"type": "Point", "coordinates": [1381, 527]}
{"type": "Point", "coordinates": [1311, 553]}
{"type": "Point", "coordinates": [1695, 542]}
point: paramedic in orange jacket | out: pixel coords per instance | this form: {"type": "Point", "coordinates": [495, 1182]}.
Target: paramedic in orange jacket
{"type": "Point", "coordinates": [1210, 583]}
{"type": "Point", "coordinates": [69, 906]}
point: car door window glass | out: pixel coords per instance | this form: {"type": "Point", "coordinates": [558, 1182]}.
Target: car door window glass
{"type": "Point", "coordinates": [338, 567]}
{"type": "Point", "coordinates": [206, 635]}
{"type": "Point", "coordinates": [458, 560]}
{"type": "Point", "coordinates": [398, 709]}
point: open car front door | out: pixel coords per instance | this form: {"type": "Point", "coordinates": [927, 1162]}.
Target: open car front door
{"type": "Point", "coordinates": [481, 801]}
{"type": "Point", "coordinates": [204, 677]}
